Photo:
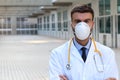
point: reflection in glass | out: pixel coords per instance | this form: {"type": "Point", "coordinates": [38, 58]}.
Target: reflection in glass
{"type": "Point", "coordinates": [118, 5]}
{"type": "Point", "coordinates": [108, 26]}
{"type": "Point", "coordinates": [104, 7]}
{"type": "Point", "coordinates": [59, 21]}
{"type": "Point", "coordinates": [101, 25]}
{"type": "Point", "coordinates": [119, 24]}
{"type": "Point", "coordinates": [65, 21]}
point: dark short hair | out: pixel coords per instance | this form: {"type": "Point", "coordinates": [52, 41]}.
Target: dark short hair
{"type": "Point", "coordinates": [82, 9]}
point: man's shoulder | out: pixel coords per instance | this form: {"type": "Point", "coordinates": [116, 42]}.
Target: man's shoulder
{"type": "Point", "coordinates": [104, 48]}
{"type": "Point", "coordinates": [61, 48]}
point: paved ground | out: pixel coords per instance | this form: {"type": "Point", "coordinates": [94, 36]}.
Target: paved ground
{"type": "Point", "coordinates": [26, 57]}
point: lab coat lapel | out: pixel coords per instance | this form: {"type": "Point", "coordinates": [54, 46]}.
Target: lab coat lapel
{"type": "Point", "coordinates": [75, 53]}
{"type": "Point", "coordinates": [90, 53]}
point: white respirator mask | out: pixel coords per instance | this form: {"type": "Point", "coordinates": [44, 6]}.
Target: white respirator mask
{"type": "Point", "coordinates": [82, 30]}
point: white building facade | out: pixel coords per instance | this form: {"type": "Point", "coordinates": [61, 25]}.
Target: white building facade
{"type": "Point", "coordinates": [15, 16]}
{"type": "Point", "coordinates": [52, 18]}
{"type": "Point", "coordinates": [57, 23]}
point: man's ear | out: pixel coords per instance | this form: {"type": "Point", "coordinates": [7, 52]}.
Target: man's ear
{"type": "Point", "coordinates": [92, 26]}
{"type": "Point", "coordinates": [72, 26]}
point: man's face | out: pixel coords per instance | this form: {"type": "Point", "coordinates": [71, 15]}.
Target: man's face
{"type": "Point", "coordinates": [82, 17]}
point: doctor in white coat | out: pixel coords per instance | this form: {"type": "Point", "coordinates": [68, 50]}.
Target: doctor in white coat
{"type": "Point", "coordinates": [82, 58]}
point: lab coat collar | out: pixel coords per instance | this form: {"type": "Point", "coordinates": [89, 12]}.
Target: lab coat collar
{"type": "Point", "coordinates": [74, 52]}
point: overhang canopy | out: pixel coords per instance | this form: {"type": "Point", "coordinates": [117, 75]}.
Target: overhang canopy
{"type": "Point", "coordinates": [48, 8]}
{"type": "Point", "coordinates": [62, 3]}
{"type": "Point", "coordinates": [36, 14]}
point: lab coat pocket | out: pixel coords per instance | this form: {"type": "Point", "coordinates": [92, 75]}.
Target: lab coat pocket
{"type": "Point", "coordinates": [100, 73]}
{"type": "Point", "coordinates": [99, 76]}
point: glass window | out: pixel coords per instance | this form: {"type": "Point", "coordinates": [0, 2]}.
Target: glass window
{"type": "Point", "coordinates": [47, 23]}
{"type": "Point", "coordinates": [25, 26]}
{"type": "Point", "coordinates": [18, 22]}
{"type": "Point", "coordinates": [118, 5]}
{"type": "Point", "coordinates": [65, 24]}
{"type": "Point", "coordinates": [40, 23]}
{"type": "Point", "coordinates": [44, 22]}
{"type": "Point", "coordinates": [38, 20]}
{"type": "Point", "coordinates": [22, 22]}
{"type": "Point", "coordinates": [65, 21]}
{"type": "Point", "coordinates": [104, 7]}
{"type": "Point", "coordinates": [101, 7]}
{"type": "Point", "coordinates": [65, 15]}
{"type": "Point", "coordinates": [53, 26]}
{"type": "Point", "coordinates": [8, 19]}
{"type": "Point", "coordinates": [9, 22]}
{"type": "Point", "coordinates": [59, 26]}
{"type": "Point", "coordinates": [44, 26]}
{"type": "Point", "coordinates": [119, 24]}
{"type": "Point", "coordinates": [53, 17]}
{"type": "Point", "coordinates": [101, 25]}
{"type": "Point", "coordinates": [44, 19]}
{"type": "Point", "coordinates": [59, 16]}
{"type": "Point", "coordinates": [59, 21]}
{"type": "Point", "coordinates": [53, 22]}
{"type": "Point", "coordinates": [105, 24]}
{"type": "Point", "coordinates": [107, 7]}
{"type": "Point", "coordinates": [108, 25]}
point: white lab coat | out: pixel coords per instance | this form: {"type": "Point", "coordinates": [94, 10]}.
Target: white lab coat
{"type": "Point", "coordinates": [79, 69]}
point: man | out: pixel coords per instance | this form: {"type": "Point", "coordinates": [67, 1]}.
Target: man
{"type": "Point", "coordinates": [82, 58]}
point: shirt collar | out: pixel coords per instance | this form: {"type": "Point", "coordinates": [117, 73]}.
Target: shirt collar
{"type": "Point", "coordinates": [78, 46]}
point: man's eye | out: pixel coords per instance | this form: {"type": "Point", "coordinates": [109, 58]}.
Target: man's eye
{"type": "Point", "coordinates": [78, 21]}
{"type": "Point", "coordinates": [86, 21]}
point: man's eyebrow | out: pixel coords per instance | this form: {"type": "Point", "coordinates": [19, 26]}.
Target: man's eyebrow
{"type": "Point", "coordinates": [81, 20]}
{"type": "Point", "coordinates": [77, 20]}
{"type": "Point", "coordinates": [87, 19]}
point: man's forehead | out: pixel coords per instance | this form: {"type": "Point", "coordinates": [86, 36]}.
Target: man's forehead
{"type": "Point", "coordinates": [82, 16]}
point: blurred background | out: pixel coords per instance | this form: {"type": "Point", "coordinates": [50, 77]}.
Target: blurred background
{"type": "Point", "coordinates": [30, 29]}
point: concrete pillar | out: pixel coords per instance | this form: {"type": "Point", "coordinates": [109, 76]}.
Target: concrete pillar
{"type": "Point", "coordinates": [113, 29]}
{"type": "Point", "coordinates": [13, 24]}
{"type": "Point", "coordinates": [56, 27]}
{"type": "Point", "coordinates": [95, 6]}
